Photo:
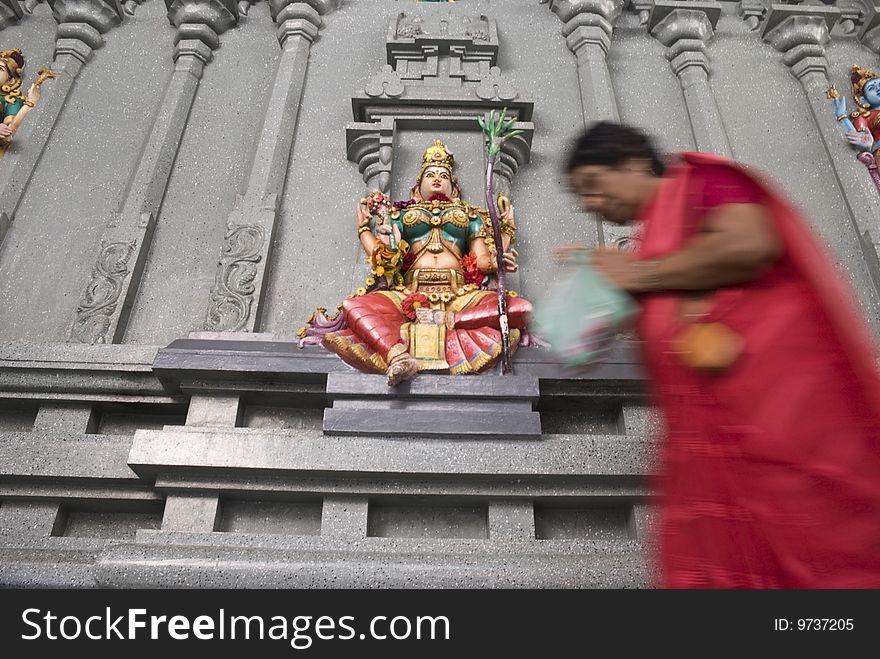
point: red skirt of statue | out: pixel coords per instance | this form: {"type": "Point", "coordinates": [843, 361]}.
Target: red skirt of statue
{"type": "Point", "coordinates": [377, 323]}
{"type": "Point", "coordinates": [769, 475]}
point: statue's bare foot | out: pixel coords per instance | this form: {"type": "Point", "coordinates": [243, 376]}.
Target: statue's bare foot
{"type": "Point", "coordinates": [402, 367]}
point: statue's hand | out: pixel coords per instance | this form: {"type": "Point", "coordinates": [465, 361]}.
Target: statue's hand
{"type": "Point", "coordinates": [384, 231]}
{"type": "Point", "coordinates": [508, 216]}
{"type": "Point", "coordinates": [33, 95]}
{"type": "Point", "coordinates": [363, 215]}
{"type": "Point", "coordinates": [5, 131]}
{"type": "Point", "coordinates": [839, 106]}
{"type": "Point", "coordinates": [862, 140]}
{"type": "Point", "coordinates": [509, 258]}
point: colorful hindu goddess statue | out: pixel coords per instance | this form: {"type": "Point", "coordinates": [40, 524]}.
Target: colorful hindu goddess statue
{"type": "Point", "coordinates": [866, 120]}
{"type": "Point", "coordinates": [13, 104]}
{"type": "Point", "coordinates": [11, 65]}
{"type": "Point", "coordinates": [426, 305]}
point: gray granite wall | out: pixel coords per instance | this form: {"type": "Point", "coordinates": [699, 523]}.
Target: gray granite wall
{"type": "Point", "coordinates": [189, 172]}
{"type": "Point", "coordinates": [210, 170]}
{"type": "Point", "coordinates": [82, 178]}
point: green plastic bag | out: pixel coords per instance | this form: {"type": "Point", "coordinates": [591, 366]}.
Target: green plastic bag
{"type": "Point", "coordinates": [581, 315]}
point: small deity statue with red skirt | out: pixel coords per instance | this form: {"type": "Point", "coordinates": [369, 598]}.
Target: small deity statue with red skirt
{"type": "Point", "coordinates": [862, 125]}
{"type": "Point", "coordinates": [13, 104]}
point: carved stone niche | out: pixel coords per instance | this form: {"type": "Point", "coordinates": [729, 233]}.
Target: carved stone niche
{"type": "Point", "coordinates": [441, 75]}
{"type": "Point", "coordinates": [439, 63]}
{"type": "Point", "coordinates": [415, 45]}
{"type": "Point", "coordinates": [869, 34]}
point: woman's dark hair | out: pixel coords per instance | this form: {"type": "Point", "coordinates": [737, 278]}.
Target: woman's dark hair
{"type": "Point", "coordinates": [610, 144]}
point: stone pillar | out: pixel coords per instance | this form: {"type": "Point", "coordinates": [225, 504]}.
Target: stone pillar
{"type": "Point", "coordinates": [210, 410]}
{"type": "Point", "coordinates": [21, 517]}
{"type": "Point", "coordinates": [642, 523]}
{"type": "Point", "coordinates": [239, 284]}
{"type": "Point", "coordinates": [800, 34]}
{"type": "Point", "coordinates": [642, 9]}
{"type": "Point", "coordinates": [371, 146]}
{"type": "Point", "coordinates": [587, 30]}
{"type": "Point", "coordinates": [686, 28]}
{"type": "Point", "coordinates": [753, 12]}
{"type": "Point", "coordinates": [869, 34]}
{"type": "Point", "coordinates": [344, 517]}
{"type": "Point", "coordinates": [511, 520]}
{"type": "Point", "coordinates": [191, 513]}
{"type": "Point", "coordinates": [102, 313]}
{"type": "Point", "coordinates": [80, 26]}
{"type": "Point", "coordinates": [68, 419]}
{"type": "Point", "coordinates": [638, 421]}
{"type": "Point", "coordinates": [10, 13]}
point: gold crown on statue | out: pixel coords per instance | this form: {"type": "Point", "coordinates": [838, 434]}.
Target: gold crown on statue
{"type": "Point", "coordinates": [14, 60]}
{"type": "Point", "coordinates": [859, 78]}
{"type": "Point", "coordinates": [437, 156]}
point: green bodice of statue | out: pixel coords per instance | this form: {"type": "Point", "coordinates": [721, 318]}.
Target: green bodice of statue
{"type": "Point", "coordinates": [454, 223]}
{"type": "Point", "coordinates": [10, 104]}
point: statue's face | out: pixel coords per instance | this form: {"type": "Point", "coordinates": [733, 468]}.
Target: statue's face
{"type": "Point", "coordinates": [615, 193]}
{"type": "Point", "coordinates": [4, 73]}
{"type": "Point", "coordinates": [435, 180]}
{"type": "Point", "coordinates": [871, 92]}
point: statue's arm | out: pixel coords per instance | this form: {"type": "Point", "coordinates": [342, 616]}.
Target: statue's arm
{"type": "Point", "coordinates": [861, 136]}
{"type": "Point", "coordinates": [365, 234]}
{"type": "Point", "coordinates": [18, 111]}
{"type": "Point", "coordinates": [6, 130]}
{"type": "Point", "coordinates": [485, 256]}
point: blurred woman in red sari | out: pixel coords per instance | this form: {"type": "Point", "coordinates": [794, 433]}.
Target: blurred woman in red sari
{"type": "Point", "coordinates": [761, 366]}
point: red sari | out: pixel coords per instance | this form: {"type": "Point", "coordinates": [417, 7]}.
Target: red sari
{"type": "Point", "coordinates": [770, 471]}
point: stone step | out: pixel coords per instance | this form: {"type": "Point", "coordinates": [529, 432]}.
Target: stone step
{"type": "Point", "coordinates": [433, 406]}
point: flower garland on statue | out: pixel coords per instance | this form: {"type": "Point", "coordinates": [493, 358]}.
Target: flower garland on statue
{"type": "Point", "coordinates": [472, 272]}
{"type": "Point", "coordinates": [386, 264]}
{"type": "Point", "coordinates": [412, 302]}
{"type": "Point", "coordinates": [387, 259]}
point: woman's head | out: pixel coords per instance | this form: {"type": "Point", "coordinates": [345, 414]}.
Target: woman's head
{"type": "Point", "coordinates": [613, 169]}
